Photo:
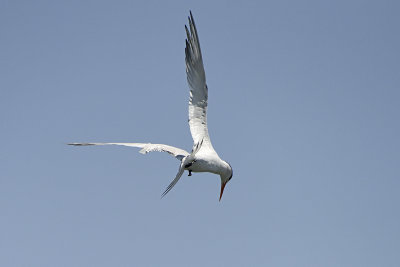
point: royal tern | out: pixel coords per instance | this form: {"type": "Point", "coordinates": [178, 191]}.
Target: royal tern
{"type": "Point", "coordinates": [203, 157]}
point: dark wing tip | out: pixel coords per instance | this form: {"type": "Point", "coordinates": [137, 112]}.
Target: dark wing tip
{"type": "Point", "coordinates": [191, 15]}
{"type": "Point", "coordinates": [80, 144]}
{"type": "Point", "coordinates": [187, 33]}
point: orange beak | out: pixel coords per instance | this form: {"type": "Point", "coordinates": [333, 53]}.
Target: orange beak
{"type": "Point", "coordinates": [222, 190]}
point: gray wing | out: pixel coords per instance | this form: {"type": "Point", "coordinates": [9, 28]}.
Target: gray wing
{"type": "Point", "coordinates": [198, 88]}
{"type": "Point", "coordinates": [145, 148]}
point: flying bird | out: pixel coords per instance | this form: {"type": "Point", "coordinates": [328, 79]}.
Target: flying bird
{"type": "Point", "coordinates": [203, 157]}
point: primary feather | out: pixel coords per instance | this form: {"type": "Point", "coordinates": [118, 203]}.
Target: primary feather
{"type": "Point", "coordinates": [145, 148]}
{"type": "Point", "coordinates": [196, 78]}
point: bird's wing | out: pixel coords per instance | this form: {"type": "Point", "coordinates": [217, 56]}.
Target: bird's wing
{"type": "Point", "coordinates": [145, 148]}
{"type": "Point", "coordinates": [198, 88]}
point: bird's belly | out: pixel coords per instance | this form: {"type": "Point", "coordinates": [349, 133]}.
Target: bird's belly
{"type": "Point", "coordinates": [202, 166]}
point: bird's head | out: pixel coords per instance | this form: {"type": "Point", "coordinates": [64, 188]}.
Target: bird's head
{"type": "Point", "coordinates": [226, 176]}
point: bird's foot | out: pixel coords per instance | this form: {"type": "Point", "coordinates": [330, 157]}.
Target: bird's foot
{"type": "Point", "coordinates": [190, 173]}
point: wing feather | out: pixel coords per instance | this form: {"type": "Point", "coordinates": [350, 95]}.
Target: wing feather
{"type": "Point", "coordinates": [145, 148]}
{"type": "Point", "coordinates": [198, 87]}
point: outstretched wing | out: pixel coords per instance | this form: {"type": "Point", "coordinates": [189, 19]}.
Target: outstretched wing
{"type": "Point", "coordinates": [145, 148]}
{"type": "Point", "coordinates": [198, 88]}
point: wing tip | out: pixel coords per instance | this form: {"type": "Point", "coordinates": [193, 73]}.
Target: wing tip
{"type": "Point", "coordinates": [191, 15]}
{"type": "Point", "coordinates": [80, 144]}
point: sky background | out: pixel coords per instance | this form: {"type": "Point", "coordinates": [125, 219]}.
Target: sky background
{"type": "Point", "coordinates": [304, 102]}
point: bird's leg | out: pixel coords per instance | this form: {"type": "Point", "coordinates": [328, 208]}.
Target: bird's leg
{"type": "Point", "coordinates": [188, 165]}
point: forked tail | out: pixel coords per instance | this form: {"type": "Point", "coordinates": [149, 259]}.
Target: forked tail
{"type": "Point", "coordinates": [184, 162]}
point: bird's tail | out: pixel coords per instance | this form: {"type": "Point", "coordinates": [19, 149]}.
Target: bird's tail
{"type": "Point", "coordinates": [185, 160]}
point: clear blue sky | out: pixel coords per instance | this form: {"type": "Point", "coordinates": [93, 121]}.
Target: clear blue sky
{"type": "Point", "coordinates": [303, 102]}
